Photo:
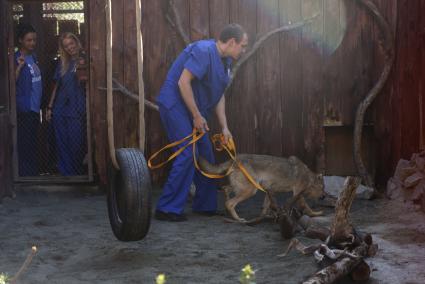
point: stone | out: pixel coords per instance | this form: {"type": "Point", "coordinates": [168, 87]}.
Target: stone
{"type": "Point", "coordinates": [420, 163]}
{"type": "Point", "coordinates": [394, 188]}
{"type": "Point", "coordinates": [335, 184]}
{"type": "Point", "coordinates": [413, 180]}
{"type": "Point", "coordinates": [403, 170]}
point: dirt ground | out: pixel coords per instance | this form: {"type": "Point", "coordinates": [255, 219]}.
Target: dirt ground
{"type": "Point", "coordinates": [76, 244]}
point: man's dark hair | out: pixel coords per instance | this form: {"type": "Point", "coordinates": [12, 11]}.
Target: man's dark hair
{"type": "Point", "coordinates": [232, 31]}
{"type": "Point", "coordinates": [22, 29]}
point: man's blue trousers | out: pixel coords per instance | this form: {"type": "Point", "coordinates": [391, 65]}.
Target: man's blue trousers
{"type": "Point", "coordinates": [178, 124]}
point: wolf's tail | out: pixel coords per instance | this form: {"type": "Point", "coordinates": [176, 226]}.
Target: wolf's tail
{"type": "Point", "coordinates": [214, 169]}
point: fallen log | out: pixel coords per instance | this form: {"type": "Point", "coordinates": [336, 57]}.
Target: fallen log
{"type": "Point", "coordinates": [343, 267]}
{"type": "Point", "coordinates": [317, 233]}
{"type": "Point", "coordinates": [361, 272]}
{"type": "Point", "coordinates": [344, 248]}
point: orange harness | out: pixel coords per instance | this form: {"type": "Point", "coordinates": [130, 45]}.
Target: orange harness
{"type": "Point", "coordinates": [218, 141]}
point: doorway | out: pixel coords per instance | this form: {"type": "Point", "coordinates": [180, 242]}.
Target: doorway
{"type": "Point", "coordinates": [51, 133]}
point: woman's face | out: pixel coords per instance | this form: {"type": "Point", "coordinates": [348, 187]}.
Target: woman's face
{"type": "Point", "coordinates": [70, 46]}
{"type": "Point", "coordinates": [29, 41]}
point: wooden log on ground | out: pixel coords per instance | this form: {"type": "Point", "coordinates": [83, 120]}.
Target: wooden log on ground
{"type": "Point", "coordinates": [320, 233]}
{"type": "Point", "coordinates": [341, 268]}
{"type": "Point", "coordinates": [351, 246]}
{"type": "Point", "coordinates": [361, 272]}
{"type": "Point", "coordinates": [288, 217]}
{"type": "Point", "coordinates": [287, 226]}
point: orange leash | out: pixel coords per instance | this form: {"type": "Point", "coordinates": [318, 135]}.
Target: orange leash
{"type": "Point", "coordinates": [194, 136]}
{"type": "Point", "coordinates": [220, 145]}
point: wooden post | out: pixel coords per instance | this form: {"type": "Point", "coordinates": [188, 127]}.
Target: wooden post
{"type": "Point", "coordinates": [5, 125]}
{"type": "Point", "coordinates": [421, 120]}
{"type": "Point", "coordinates": [110, 99]}
{"type": "Point", "coordinates": [139, 38]}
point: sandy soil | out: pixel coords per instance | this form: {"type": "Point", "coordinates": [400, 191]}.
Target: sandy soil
{"type": "Point", "coordinates": [76, 244]}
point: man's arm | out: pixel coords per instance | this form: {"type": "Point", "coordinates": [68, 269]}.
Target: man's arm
{"type": "Point", "coordinates": [21, 62]}
{"type": "Point", "coordinates": [186, 91]}
{"type": "Point", "coordinates": [220, 111]}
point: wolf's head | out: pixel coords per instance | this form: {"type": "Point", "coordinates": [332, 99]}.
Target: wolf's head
{"type": "Point", "coordinates": [315, 187]}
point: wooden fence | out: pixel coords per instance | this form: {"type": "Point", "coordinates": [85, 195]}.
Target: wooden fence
{"type": "Point", "coordinates": [292, 97]}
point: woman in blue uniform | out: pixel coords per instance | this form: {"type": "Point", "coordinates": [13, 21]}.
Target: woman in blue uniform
{"type": "Point", "coordinates": [28, 98]}
{"type": "Point", "coordinates": [67, 108]}
{"type": "Point", "coordinates": [192, 90]}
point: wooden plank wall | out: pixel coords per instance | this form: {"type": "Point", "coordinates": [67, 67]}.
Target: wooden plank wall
{"type": "Point", "coordinates": [5, 155]}
{"type": "Point", "coordinates": [296, 81]}
{"type": "Point", "coordinates": [97, 37]}
{"type": "Point", "coordinates": [5, 127]}
{"type": "Point", "coordinates": [323, 72]}
{"type": "Point", "coordinates": [399, 110]}
{"type": "Point", "coordinates": [285, 93]}
{"type": "Point", "coordinates": [124, 70]}
{"type": "Point", "coordinates": [4, 72]}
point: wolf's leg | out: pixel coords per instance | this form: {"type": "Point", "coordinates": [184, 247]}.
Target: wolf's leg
{"type": "Point", "coordinates": [240, 196]}
{"type": "Point", "coordinates": [227, 189]}
{"type": "Point", "coordinates": [306, 209]}
{"type": "Point", "coordinates": [266, 206]}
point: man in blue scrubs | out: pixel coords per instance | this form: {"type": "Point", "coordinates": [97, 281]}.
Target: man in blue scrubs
{"type": "Point", "coordinates": [192, 90]}
{"type": "Point", "coordinates": [28, 100]}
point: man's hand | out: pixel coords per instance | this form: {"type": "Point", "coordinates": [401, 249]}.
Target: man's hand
{"type": "Point", "coordinates": [226, 135]}
{"type": "Point", "coordinates": [200, 124]}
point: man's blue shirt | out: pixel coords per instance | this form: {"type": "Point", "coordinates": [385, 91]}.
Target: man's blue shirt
{"type": "Point", "coordinates": [212, 74]}
{"type": "Point", "coordinates": [29, 87]}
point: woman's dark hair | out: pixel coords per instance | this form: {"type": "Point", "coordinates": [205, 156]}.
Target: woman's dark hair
{"type": "Point", "coordinates": [22, 29]}
{"type": "Point", "coordinates": [232, 31]}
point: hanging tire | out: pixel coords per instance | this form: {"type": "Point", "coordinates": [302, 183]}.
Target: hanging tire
{"type": "Point", "coordinates": [129, 196]}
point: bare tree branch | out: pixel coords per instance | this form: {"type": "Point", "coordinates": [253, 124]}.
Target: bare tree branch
{"type": "Point", "coordinates": [118, 87]}
{"type": "Point", "coordinates": [174, 19]}
{"type": "Point", "coordinates": [388, 48]}
{"type": "Point", "coordinates": [258, 43]}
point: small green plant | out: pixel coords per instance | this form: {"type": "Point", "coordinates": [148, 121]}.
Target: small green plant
{"type": "Point", "coordinates": [247, 275]}
{"type": "Point", "coordinates": [160, 279]}
{"type": "Point", "coordinates": [4, 278]}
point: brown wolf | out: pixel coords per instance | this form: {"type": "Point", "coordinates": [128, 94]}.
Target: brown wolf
{"type": "Point", "coordinates": [274, 174]}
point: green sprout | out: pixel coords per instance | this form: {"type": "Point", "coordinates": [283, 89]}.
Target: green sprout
{"type": "Point", "coordinates": [160, 279]}
{"type": "Point", "coordinates": [4, 278]}
{"type": "Point", "coordinates": [247, 275]}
